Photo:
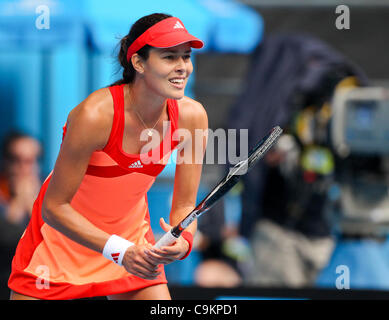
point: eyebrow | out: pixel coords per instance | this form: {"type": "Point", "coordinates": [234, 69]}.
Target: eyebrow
{"type": "Point", "coordinates": [175, 51]}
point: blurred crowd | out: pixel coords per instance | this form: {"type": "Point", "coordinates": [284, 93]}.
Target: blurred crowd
{"type": "Point", "coordinates": [20, 182]}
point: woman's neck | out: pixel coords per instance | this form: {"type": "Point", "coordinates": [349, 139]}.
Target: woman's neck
{"type": "Point", "coordinates": [140, 98]}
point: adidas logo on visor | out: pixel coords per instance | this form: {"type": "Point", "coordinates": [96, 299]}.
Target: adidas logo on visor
{"type": "Point", "coordinates": [136, 164]}
{"type": "Point", "coordinates": [178, 25]}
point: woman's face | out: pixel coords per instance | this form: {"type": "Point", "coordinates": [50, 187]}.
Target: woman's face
{"type": "Point", "coordinates": [166, 71]}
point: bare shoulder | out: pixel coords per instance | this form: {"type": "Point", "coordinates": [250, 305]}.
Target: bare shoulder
{"type": "Point", "coordinates": [93, 117]}
{"type": "Point", "coordinates": [192, 114]}
{"type": "Point", "coordinates": [98, 104]}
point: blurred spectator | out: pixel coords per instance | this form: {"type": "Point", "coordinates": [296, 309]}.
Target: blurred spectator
{"type": "Point", "coordinates": [19, 185]}
{"type": "Point", "coordinates": [292, 239]}
{"type": "Point", "coordinates": [290, 83]}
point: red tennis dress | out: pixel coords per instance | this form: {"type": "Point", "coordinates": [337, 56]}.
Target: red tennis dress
{"type": "Point", "coordinates": [113, 196]}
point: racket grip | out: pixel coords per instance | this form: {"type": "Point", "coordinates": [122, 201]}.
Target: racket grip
{"type": "Point", "coordinates": [166, 240]}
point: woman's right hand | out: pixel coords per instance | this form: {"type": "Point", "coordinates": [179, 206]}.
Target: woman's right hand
{"type": "Point", "coordinates": [137, 262]}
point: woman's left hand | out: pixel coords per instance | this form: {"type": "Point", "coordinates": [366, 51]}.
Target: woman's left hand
{"type": "Point", "coordinates": [168, 254]}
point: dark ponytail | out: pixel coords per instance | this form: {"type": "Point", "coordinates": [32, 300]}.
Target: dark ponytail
{"type": "Point", "coordinates": [139, 27]}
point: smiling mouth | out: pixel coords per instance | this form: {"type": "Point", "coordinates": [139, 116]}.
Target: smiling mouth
{"type": "Point", "coordinates": [177, 81]}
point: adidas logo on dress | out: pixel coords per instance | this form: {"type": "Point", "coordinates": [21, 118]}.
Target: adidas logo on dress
{"type": "Point", "coordinates": [178, 25]}
{"type": "Point", "coordinates": [136, 164]}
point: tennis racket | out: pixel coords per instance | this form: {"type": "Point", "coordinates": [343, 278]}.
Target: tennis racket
{"type": "Point", "coordinates": [222, 187]}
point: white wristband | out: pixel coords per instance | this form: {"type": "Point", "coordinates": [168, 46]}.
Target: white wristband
{"type": "Point", "coordinates": [115, 248]}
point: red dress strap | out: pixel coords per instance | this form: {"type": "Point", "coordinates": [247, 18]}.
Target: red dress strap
{"type": "Point", "coordinates": [173, 111]}
{"type": "Point", "coordinates": [118, 106]}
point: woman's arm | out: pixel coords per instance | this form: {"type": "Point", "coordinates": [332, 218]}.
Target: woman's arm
{"type": "Point", "coordinates": [86, 133]}
{"type": "Point", "coordinates": [187, 176]}
{"type": "Point", "coordinates": [188, 170]}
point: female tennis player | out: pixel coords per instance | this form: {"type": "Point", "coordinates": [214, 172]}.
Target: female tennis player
{"type": "Point", "coordinates": [90, 233]}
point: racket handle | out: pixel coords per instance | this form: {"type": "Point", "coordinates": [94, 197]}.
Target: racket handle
{"type": "Point", "coordinates": [167, 239]}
